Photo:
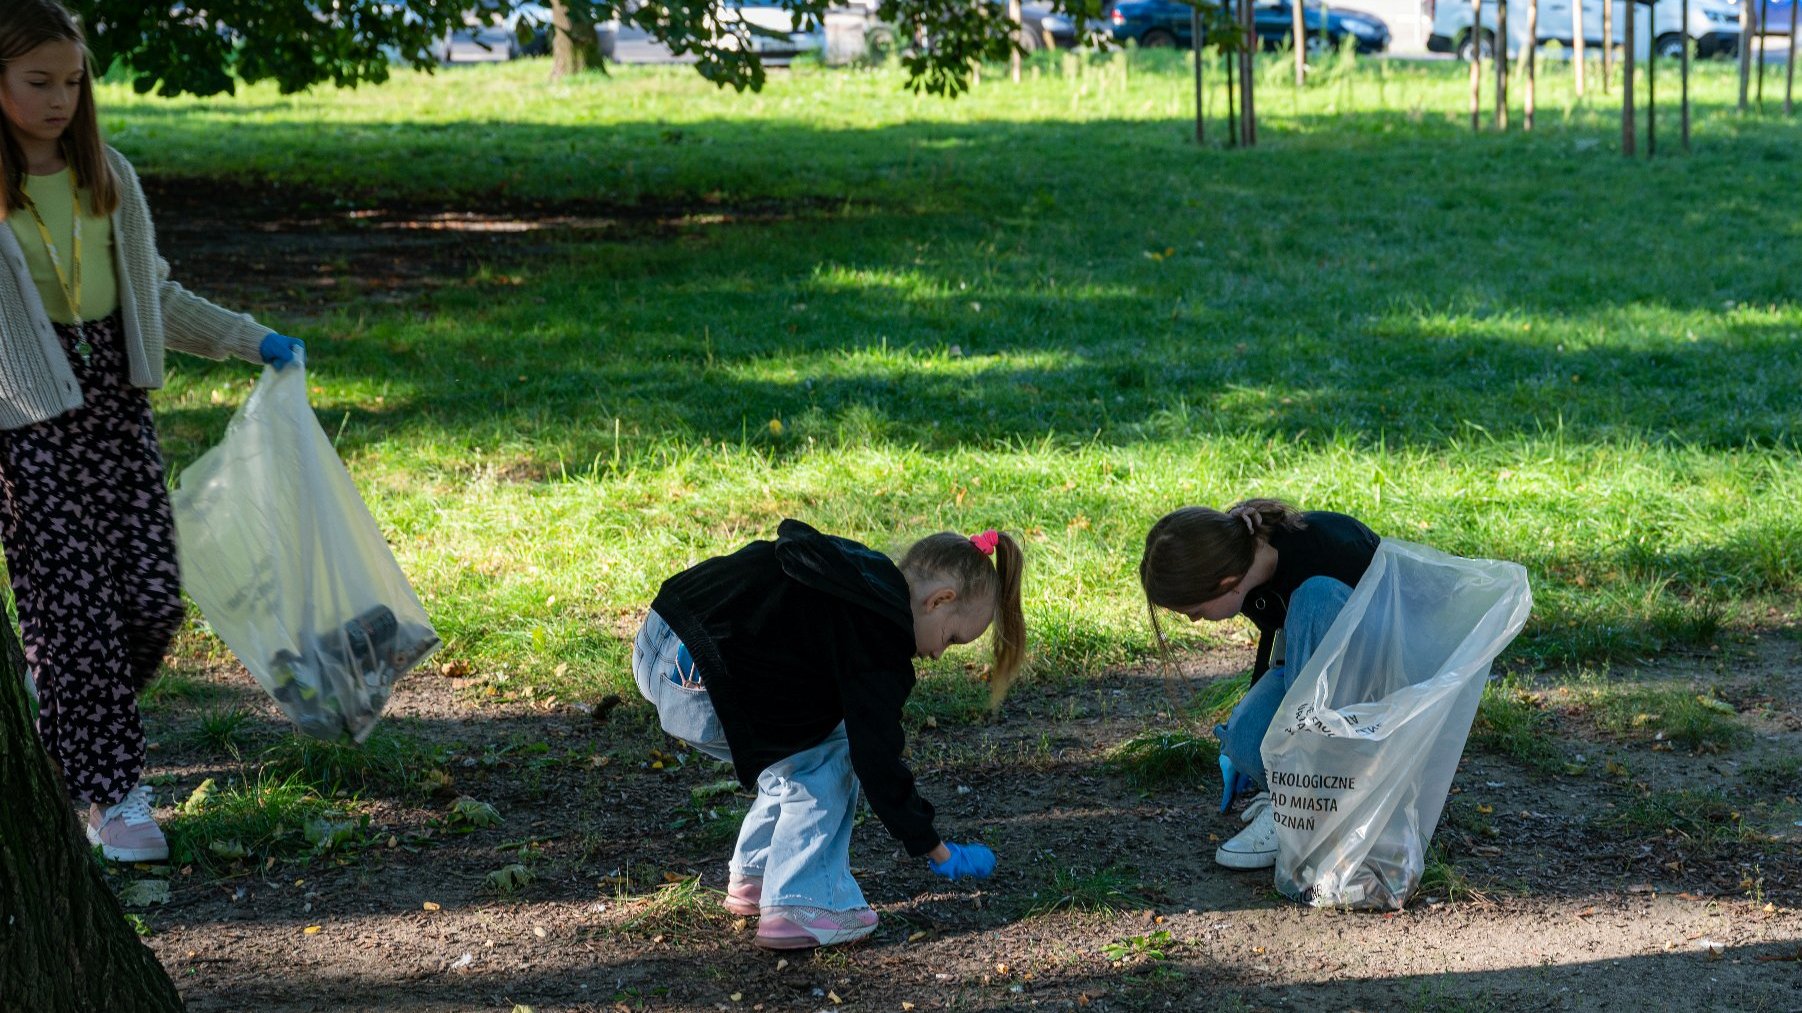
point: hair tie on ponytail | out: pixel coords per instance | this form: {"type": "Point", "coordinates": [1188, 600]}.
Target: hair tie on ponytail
{"type": "Point", "coordinates": [1251, 525]}
{"type": "Point", "coordinates": [986, 542]}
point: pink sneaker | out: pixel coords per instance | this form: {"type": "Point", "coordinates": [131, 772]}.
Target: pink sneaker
{"type": "Point", "coordinates": [126, 832]}
{"type": "Point", "coordinates": [742, 895]}
{"type": "Point", "coordinates": [802, 928]}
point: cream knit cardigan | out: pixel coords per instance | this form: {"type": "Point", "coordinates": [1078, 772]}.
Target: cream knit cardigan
{"type": "Point", "coordinates": [36, 381]}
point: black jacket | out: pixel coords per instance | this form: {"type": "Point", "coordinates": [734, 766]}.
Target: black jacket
{"type": "Point", "coordinates": [794, 636]}
{"type": "Point", "coordinates": [1332, 545]}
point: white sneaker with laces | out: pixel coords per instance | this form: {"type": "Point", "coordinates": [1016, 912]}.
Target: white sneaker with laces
{"type": "Point", "coordinates": [125, 831]}
{"type": "Point", "coordinates": [1255, 846]}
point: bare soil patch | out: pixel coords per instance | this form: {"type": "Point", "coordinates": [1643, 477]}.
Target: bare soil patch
{"type": "Point", "coordinates": [1106, 899]}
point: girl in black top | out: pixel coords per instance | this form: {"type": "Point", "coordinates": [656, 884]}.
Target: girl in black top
{"type": "Point", "coordinates": [792, 659]}
{"type": "Point", "coordinates": [1289, 573]}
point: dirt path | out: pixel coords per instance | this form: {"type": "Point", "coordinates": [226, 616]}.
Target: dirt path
{"type": "Point", "coordinates": [1106, 899]}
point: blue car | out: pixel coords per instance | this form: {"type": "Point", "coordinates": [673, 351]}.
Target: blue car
{"type": "Point", "coordinates": [1774, 15]}
{"type": "Point", "coordinates": [1157, 24]}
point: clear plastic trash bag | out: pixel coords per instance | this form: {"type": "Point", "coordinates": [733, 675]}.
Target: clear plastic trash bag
{"type": "Point", "coordinates": [1361, 754]}
{"type": "Point", "coordinates": [290, 569]}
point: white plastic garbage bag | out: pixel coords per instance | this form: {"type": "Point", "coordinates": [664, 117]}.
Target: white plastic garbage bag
{"type": "Point", "coordinates": [291, 571]}
{"type": "Point", "coordinates": [1362, 752]}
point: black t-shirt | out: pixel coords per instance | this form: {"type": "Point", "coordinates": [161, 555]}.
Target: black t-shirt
{"type": "Point", "coordinates": [1331, 545]}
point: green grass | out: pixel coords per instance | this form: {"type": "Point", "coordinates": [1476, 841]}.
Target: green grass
{"type": "Point", "coordinates": [1699, 819]}
{"type": "Point", "coordinates": [1104, 889]}
{"type": "Point", "coordinates": [253, 821]}
{"type": "Point", "coordinates": [1043, 308]}
{"type": "Point", "coordinates": [390, 761]}
{"type": "Point", "coordinates": [221, 731]}
{"type": "Point", "coordinates": [1682, 716]}
{"type": "Point", "coordinates": [1512, 722]}
{"type": "Point", "coordinates": [1157, 760]}
{"type": "Point", "coordinates": [1780, 774]}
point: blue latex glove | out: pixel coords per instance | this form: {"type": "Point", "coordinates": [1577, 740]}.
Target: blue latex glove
{"type": "Point", "coordinates": [973, 860]}
{"type": "Point", "coordinates": [279, 350]}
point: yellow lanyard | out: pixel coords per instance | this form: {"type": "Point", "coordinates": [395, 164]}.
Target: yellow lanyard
{"type": "Point", "coordinates": [71, 285]}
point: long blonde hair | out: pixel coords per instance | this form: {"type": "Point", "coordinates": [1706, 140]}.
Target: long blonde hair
{"type": "Point", "coordinates": [954, 557]}
{"type": "Point", "coordinates": [24, 26]}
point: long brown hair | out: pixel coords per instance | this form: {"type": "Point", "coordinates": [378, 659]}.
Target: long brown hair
{"type": "Point", "coordinates": [954, 557]}
{"type": "Point", "coordinates": [1195, 554]}
{"type": "Point", "coordinates": [24, 26]}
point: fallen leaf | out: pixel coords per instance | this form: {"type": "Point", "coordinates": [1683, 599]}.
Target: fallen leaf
{"type": "Point", "coordinates": [834, 997]}
{"type": "Point", "coordinates": [1487, 851]}
{"type": "Point", "coordinates": [431, 905]}
{"type": "Point", "coordinates": [919, 934]}
{"type": "Point", "coordinates": [737, 996]}
{"type": "Point", "coordinates": [1485, 809]}
{"type": "Point", "coordinates": [538, 930]}
{"type": "Point", "coordinates": [1259, 950]}
{"type": "Point", "coordinates": [780, 964]}
{"type": "Point", "coordinates": [1588, 912]}
{"type": "Point", "coordinates": [312, 930]}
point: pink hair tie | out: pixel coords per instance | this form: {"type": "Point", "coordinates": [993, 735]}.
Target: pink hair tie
{"type": "Point", "coordinates": [986, 542]}
{"type": "Point", "coordinates": [1251, 526]}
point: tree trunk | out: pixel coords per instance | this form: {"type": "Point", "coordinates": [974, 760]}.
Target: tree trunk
{"type": "Point", "coordinates": [1298, 33]}
{"type": "Point", "coordinates": [1607, 45]}
{"type": "Point", "coordinates": [1627, 124]}
{"type": "Point", "coordinates": [1198, 41]}
{"type": "Point", "coordinates": [1501, 64]}
{"type": "Point", "coordinates": [1764, 13]}
{"type": "Point", "coordinates": [574, 45]}
{"type": "Point", "coordinates": [1652, 83]}
{"type": "Point", "coordinates": [1745, 51]}
{"type": "Point", "coordinates": [1789, 82]}
{"type": "Point", "coordinates": [1476, 65]}
{"type": "Point", "coordinates": [1013, 58]}
{"type": "Point", "coordinates": [1685, 72]}
{"type": "Point", "coordinates": [1576, 39]}
{"type": "Point", "coordinates": [1248, 110]}
{"type": "Point", "coordinates": [64, 942]}
{"type": "Point", "coordinates": [1532, 62]}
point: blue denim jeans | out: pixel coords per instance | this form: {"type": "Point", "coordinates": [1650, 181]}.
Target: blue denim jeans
{"type": "Point", "coordinates": [1312, 609]}
{"type": "Point", "coordinates": [797, 836]}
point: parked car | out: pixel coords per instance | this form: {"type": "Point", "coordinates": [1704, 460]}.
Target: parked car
{"type": "Point", "coordinates": [771, 30]}
{"type": "Point", "coordinates": [1042, 27]}
{"type": "Point", "coordinates": [478, 43]}
{"type": "Point", "coordinates": [1713, 26]}
{"type": "Point", "coordinates": [1771, 17]}
{"type": "Point", "coordinates": [1163, 23]}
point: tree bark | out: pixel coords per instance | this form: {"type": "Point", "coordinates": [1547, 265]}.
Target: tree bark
{"type": "Point", "coordinates": [1764, 14]}
{"type": "Point", "coordinates": [1298, 33]}
{"type": "Point", "coordinates": [1476, 65]}
{"type": "Point", "coordinates": [1685, 74]}
{"type": "Point", "coordinates": [1627, 115]}
{"type": "Point", "coordinates": [1789, 82]}
{"type": "Point", "coordinates": [1607, 45]}
{"type": "Point", "coordinates": [1532, 62]}
{"type": "Point", "coordinates": [1198, 42]}
{"type": "Point", "coordinates": [65, 946]}
{"type": "Point", "coordinates": [1745, 51]}
{"type": "Point", "coordinates": [1576, 38]}
{"type": "Point", "coordinates": [1013, 58]}
{"type": "Point", "coordinates": [1501, 65]}
{"type": "Point", "coordinates": [574, 46]}
{"type": "Point", "coordinates": [1248, 110]}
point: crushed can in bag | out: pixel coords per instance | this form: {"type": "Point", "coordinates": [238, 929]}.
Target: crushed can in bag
{"type": "Point", "coordinates": [290, 569]}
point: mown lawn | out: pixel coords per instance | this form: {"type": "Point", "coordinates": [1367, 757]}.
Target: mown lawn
{"type": "Point", "coordinates": [1041, 307]}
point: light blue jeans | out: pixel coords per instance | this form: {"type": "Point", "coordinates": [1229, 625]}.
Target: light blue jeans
{"type": "Point", "coordinates": [1312, 609]}
{"type": "Point", "coordinates": [797, 836]}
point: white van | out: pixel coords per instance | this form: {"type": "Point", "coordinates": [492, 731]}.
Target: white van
{"type": "Point", "coordinates": [1713, 26]}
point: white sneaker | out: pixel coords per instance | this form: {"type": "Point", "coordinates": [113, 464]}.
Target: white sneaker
{"type": "Point", "coordinates": [126, 832]}
{"type": "Point", "coordinates": [1255, 846]}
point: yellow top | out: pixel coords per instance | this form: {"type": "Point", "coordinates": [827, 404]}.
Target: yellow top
{"type": "Point", "coordinates": [99, 285]}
